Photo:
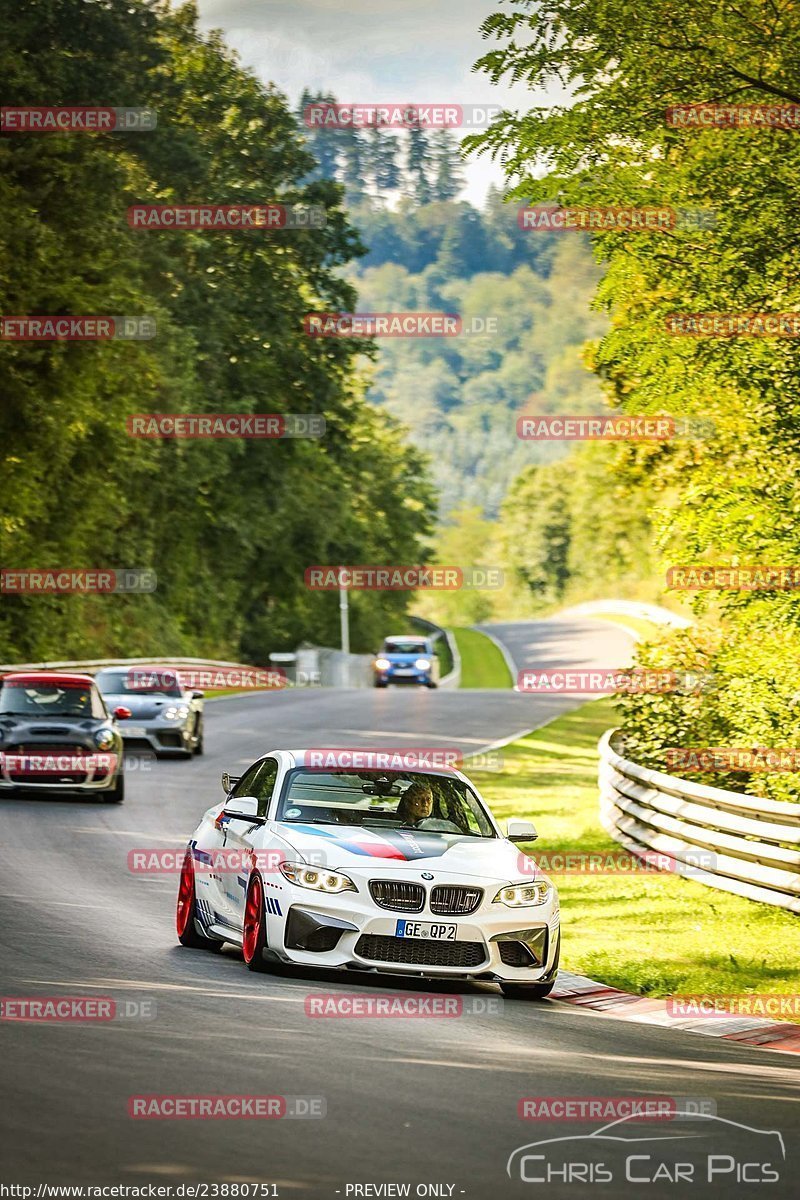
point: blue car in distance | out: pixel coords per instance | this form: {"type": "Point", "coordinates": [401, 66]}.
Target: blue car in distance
{"type": "Point", "coordinates": [406, 660]}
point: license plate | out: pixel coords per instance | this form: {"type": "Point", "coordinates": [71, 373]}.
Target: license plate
{"type": "Point", "coordinates": [426, 929]}
{"type": "Point", "coordinates": [403, 671]}
{"type": "Point", "coordinates": [134, 731]}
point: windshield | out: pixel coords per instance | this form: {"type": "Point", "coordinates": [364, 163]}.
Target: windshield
{"type": "Point", "coordinates": [394, 800]}
{"type": "Point", "coordinates": [404, 646]}
{"type": "Point", "coordinates": [139, 681]}
{"type": "Point", "coordinates": [51, 700]}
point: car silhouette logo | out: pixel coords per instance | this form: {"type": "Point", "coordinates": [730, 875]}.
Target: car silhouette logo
{"type": "Point", "coordinates": [627, 1133]}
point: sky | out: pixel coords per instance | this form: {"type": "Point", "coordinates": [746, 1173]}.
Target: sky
{"type": "Point", "coordinates": [420, 51]}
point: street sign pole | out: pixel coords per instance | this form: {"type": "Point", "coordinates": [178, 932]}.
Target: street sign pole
{"type": "Point", "coordinates": [344, 619]}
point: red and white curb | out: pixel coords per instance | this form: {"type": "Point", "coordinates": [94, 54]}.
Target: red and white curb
{"type": "Point", "coordinates": [752, 1031]}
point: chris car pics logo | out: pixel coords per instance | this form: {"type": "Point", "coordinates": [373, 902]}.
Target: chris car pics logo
{"type": "Point", "coordinates": [694, 1149]}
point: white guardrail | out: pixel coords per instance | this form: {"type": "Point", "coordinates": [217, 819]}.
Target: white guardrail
{"type": "Point", "coordinates": [308, 666]}
{"type": "Point", "coordinates": [314, 667]}
{"type": "Point", "coordinates": [90, 666]}
{"type": "Point", "coordinates": [743, 844]}
{"type": "Point", "coordinates": [453, 677]}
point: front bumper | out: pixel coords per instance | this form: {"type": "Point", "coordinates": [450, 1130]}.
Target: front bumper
{"type": "Point", "coordinates": [362, 935]}
{"type": "Point", "coordinates": [160, 736]}
{"type": "Point", "coordinates": [403, 676]}
{"type": "Point", "coordinates": [98, 776]}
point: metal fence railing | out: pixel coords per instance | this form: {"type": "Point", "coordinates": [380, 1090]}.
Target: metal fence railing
{"type": "Point", "coordinates": [334, 668]}
{"type": "Point", "coordinates": [748, 845]}
{"type": "Point", "coordinates": [311, 667]}
{"type": "Point", "coordinates": [308, 666]}
{"type": "Point", "coordinates": [91, 666]}
{"type": "Point", "coordinates": [451, 678]}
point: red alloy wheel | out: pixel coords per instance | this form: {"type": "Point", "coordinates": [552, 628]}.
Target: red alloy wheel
{"type": "Point", "coordinates": [185, 913]}
{"type": "Point", "coordinates": [253, 932]}
{"type": "Point", "coordinates": [185, 910]}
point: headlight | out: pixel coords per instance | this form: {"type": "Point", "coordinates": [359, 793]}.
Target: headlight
{"type": "Point", "coordinates": [523, 895]}
{"type": "Point", "coordinates": [318, 881]}
{"type": "Point", "coordinates": [382, 664]}
{"type": "Point", "coordinates": [176, 712]}
{"type": "Point", "coordinates": [104, 738]}
{"type": "Point", "coordinates": [423, 664]}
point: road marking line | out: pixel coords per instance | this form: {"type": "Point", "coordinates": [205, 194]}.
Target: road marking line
{"type": "Point", "coordinates": [143, 985]}
{"type": "Point", "coordinates": [137, 833]}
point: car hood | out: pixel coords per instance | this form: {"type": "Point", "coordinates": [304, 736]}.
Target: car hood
{"type": "Point", "coordinates": [403, 660]}
{"type": "Point", "coordinates": [53, 729]}
{"type": "Point", "coordinates": [142, 707]}
{"type": "Point", "coordinates": [407, 849]}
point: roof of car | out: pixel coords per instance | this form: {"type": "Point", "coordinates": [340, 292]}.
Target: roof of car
{"type": "Point", "coordinates": [56, 677]}
{"type": "Point", "coordinates": [379, 760]}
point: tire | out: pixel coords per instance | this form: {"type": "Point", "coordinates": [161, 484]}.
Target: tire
{"type": "Point", "coordinates": [185, 912]}
{"type": "Point", "coordinates": [199, 747]}
{"type": "Point", "coordinates": [431, 684]}
{"type": "Point", "coordinates": [527, 991]}
{"type": "Point", "coordinates": [378, 684]}
{"type": "Point", "coordinates": [254, 930]}
{"type": "Point", "coordinates": [117, 794]}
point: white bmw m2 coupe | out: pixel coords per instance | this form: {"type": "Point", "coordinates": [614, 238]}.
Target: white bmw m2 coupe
{"type": "Point", "coordinates": [403, 871]}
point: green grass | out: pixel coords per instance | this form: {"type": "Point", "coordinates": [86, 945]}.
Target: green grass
{"type": "Point", "coordinates": [655, 934]}
{"type": "Point", "coordinates": [482, 664]}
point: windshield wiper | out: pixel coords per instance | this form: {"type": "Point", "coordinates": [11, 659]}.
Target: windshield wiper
{"type": "Point", "coordinates": [303, 821]}
{"type": "Point", "coordinates": [452, 832]}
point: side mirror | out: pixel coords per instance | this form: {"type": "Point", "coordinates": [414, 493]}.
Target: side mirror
{"type": "Point", "coordinates": [521, 831]}
{"type": "Point", "coordinates": [244, 808]}
{"type": "Point", "coordinates": [198, 695]}
{"type": "Point", "coordinates": [122, 713]}
{"type": "Point", "coordinates": [229, 782]}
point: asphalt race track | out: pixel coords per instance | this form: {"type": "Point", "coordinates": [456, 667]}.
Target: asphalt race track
{"type": "Point", "coordinates": [415, 1101]}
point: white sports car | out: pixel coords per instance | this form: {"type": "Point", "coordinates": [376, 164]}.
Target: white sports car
{"type": "Point", "coordinates": [403, 871]}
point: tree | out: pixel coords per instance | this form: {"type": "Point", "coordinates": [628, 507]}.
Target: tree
{"type": "Point", "coordinates": [228, 526]}
{"type": "Point", "coordinates": [728, 498]}
{"type": "Point", "coordinates": [353, 165]}
{"type": "Point", "coordinates": [446, 168]}
{"type": "Point", "coordinates": [535, 533]}
{"type": "Point", "coordinates": [417, 180]}
{"type": "Point", "coordinates": [321, 140]}
{"type": "Point", "coordinates": [464, 541]}
{"type": "Point", "coordinates": [381, 161]}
